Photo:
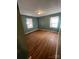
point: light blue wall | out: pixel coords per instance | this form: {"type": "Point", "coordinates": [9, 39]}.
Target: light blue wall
{"type": "Point", "coordinates": [35, 23]}
{"type": "Point", "coordinates": [44, 22]}
{"type": "Point", "coordinates": [41, 22]}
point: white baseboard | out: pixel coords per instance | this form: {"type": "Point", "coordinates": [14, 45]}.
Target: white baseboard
{"type": "Point", "coordinates": [47, 30]}
{"type": "Point", "coordinates": [43, 29]}
{"type": "Point", "coordinates": [31, 31]}
{"type": "Point", "coordinates": [40, 29]}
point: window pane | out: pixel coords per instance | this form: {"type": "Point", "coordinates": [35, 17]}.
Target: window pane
{"type": "Point", "coordinates": [29, 23]}
{"type": "Point", "coordinates": [54, 22]}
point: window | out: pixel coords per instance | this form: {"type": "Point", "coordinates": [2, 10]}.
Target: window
{"type": "Point", "coordinates": [29, 22]}
{"type": "Point", "coordinates": [54, 22]}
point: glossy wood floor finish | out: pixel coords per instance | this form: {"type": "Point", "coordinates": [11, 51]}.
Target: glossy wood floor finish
{"type": "Point", "coordinates": [41, 44]}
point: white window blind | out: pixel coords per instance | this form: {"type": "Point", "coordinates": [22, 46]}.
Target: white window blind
{"type": "Point", "coordinates": [54, 22]}
{"type": "Point", "coordinates": [29, 22]}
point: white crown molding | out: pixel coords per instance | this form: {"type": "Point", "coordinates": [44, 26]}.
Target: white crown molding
{"type": "Point", "coordinates": [27, 8]}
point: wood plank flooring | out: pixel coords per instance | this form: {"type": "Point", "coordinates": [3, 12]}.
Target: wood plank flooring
{"type": "Point", "coordinates": [41, 44]}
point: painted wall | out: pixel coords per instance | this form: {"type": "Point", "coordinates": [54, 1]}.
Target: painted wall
{"type": "Point", "coordinates": [41, 22]}
{"type": "Point", "coordinates": [21, 43]}
{"type": "Point", "coordinates": [35, 23]}
{"type": "Point", "coordinates": [44, 22]}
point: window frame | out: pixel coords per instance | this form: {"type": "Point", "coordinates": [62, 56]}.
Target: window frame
{"type": "Point", "coordinates": [54, 23]}
{"type": "Point", "coordinates": [29, 23]}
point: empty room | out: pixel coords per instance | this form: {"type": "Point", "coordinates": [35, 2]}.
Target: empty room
{"type": "Point", "coordinates": [38, 29]}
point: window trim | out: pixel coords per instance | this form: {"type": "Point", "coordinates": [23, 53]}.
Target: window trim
{"type": "Point", "coordinates": [28, 23]}
{"type": "Point", "coordinates": [51, 26]}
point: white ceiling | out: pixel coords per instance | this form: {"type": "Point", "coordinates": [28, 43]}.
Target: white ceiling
{"type": "Point", "coordinates": [30, 7]}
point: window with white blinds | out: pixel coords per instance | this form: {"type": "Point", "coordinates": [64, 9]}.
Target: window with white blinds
{"type": "Point", "coordinates": [54, 22]}
{"type": "Point", "coordinates": [29, 22]}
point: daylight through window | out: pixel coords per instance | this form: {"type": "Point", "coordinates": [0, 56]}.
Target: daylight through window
{"type": "Point", "coordinates": [54, 22]}
{"type": "Point", "coordinates": [29, 22]}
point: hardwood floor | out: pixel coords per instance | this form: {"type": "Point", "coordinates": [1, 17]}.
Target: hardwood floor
{"type": "Point", "coordinates": [41, 44]}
